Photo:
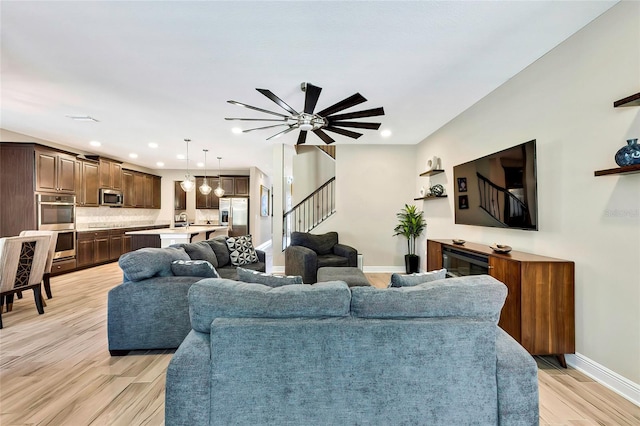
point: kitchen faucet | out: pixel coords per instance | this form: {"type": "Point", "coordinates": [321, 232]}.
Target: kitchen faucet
{"type": "Point", "coordinates": [183, 217]}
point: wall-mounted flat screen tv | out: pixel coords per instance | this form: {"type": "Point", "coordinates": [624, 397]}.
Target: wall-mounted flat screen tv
{"type": "Point", "coordinates": [498, 190]}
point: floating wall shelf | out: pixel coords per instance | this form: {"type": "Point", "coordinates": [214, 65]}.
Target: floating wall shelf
{"type": "Point", "coordinates": [618, 171]}
{"type": "Point", "coordinates": [432, 172]}
{"type": "Point", "coordinates": [633, 100]}
{"type": "Point", "coordinates": [430, 197]}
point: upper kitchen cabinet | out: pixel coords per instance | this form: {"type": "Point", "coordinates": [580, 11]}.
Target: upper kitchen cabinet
{"type": "Point", "coordinates": [209, 201]}
{"type": "Point", "coordinates": [110, 174]}
{"type": "Point", "coordinates": [141, 190]}
{"type": "Point", "coordinates": [55, 171]}
{"type": "Point", "coordinates": [180, 197]}
{"type": "Point", "coordinates": [87, 183]}
{"type": "Point", "coordinates": [235, 186]}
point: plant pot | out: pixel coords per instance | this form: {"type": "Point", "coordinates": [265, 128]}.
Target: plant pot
{"type": "Point", "coordinates": [411, 263]}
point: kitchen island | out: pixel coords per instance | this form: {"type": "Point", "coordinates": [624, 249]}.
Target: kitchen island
{"type": "Point", "coordinates": [165, 237]}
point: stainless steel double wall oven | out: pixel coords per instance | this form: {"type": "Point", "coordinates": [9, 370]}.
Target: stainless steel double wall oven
{"type": "Point", "coordinates": [58, 213]}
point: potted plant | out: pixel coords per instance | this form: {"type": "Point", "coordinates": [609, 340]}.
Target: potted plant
{"type": "Point", "coordinates": [411, 225]}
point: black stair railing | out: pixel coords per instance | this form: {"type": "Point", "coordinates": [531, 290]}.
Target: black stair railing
{"type": "Point", "coordinates": [513, 212]}
{"type": "Point", "coordinates": [310, 212]}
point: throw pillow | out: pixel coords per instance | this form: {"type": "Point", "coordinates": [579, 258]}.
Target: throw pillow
{"type": "Point", "coordinates": [193, 268]}
{"type": "Point", "coordinates": [150, 262]}
{"type": "Point", "coordinates": [201, 251]}
{"type": "Point", "coordinates": [249, 276]}
{"type": "Point", "coordinates": [398, 280]}
{"type": "Point", "coordinates": [241, 251]}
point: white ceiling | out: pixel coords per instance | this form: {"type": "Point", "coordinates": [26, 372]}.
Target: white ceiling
{"type": "Point", "coordinates": [163, 71]}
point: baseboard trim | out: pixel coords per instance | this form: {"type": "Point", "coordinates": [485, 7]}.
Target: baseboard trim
{"type": "Point", "coordinates": [384, 269]}
{"type": "Point", "coordinates": [610, 379]}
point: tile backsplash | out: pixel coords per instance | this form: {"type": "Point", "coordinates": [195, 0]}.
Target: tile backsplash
{"type": "Point", "coordinates": [89, 217]}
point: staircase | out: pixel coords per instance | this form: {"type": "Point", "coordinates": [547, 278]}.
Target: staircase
{"type": "Point", "coordinates": [310, 212]}
{"type": "Point", "coordinates": [502, 205]}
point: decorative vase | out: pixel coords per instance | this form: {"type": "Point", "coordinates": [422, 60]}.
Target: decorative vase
{"type": "Point", "coordinates": [411, 263]}
{"type": "Point", "coordinates": [628, 155]}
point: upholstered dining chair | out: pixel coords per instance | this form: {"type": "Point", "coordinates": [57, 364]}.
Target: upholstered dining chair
{"type": "Point", "coordinates": [52, 250]}
{"type": "Point", "coordinates": [22, 264]}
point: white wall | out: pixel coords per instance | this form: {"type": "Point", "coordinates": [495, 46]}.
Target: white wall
{"type": "Point", "coordinates": [565, 102]}
{"type": "Point", "coordinates": [373, 182]}
{"type": "Point", "coordinates": [260, 226]}
{"type": "Point", "coordinates": [312, 167]}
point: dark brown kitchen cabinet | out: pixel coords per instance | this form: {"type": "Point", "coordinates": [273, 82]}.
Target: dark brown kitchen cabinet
{"type": "Point", "coordinates": [180, 197]}
{"type": "Point", "coordinates": [128, 189]}
{"type": "Point", "coordinates": [228, 184]}
{"type": "Point", "coordinates": [87, 183]}
{"type": "Point", "coordinates": [110, 174]}
{"type": "Point", "coordinates": [156, 199]}
{"type": "Point", "coordinates": [138, 184]}
{"type": "Point", "coordinates": [209, 201]}
{"type": "Point", "coordinates": [55, 171]}
{"type": "Point", "coordinates": [126, 244]}
{"type": "Point", "coordinates": [241, 186]}
{"type": "Point", "coordinates": [148, 190]}
{"type": "Point", "coordinates": [92, 248]}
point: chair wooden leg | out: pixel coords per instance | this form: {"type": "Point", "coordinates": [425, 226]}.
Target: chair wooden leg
{"type": "Point", "coordinates": [47, 285]}
{"type": "Point", "coordinates": [37, 294]}
{"type": "Point", "coordinates": [9, 302]}
{"type": "Point", "coordinates": [19, 293]}
{"type": "Point", "coordinates": [1, 303]}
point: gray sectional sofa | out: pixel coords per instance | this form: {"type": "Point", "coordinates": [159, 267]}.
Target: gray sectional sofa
{"type": "Point", "coordinates": [150, 310]}
{"type": "Point", "coordinates": [429, 354]}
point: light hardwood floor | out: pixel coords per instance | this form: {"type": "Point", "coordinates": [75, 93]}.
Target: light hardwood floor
{"type": "Point", "coordinates": [55, 368]}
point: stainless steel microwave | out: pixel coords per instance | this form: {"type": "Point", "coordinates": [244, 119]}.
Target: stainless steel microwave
{"type": "Point", "coordinates": [111, 198]}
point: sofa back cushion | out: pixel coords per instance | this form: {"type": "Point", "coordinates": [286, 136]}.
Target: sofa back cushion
{"type": "Point", "coordinates": [478, 296]}
{"type": "Point", "coordinates": [221, 298]}
{"type": "Point", "coordinates": [219, 247]}
{"type": "Point", "coordinates": [399, 280]}
{"type": "Point", "coordinates": [150, 262]}
{"type": "Point", "coordinates": [321, 244]}
{"type": "Point", "coordinates": [193, 268]}
{"type": "Point", "coordinates": [201, 251]}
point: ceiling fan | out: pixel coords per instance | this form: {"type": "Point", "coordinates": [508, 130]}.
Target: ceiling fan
{"type": "Point", "coordinates": [307, 120]}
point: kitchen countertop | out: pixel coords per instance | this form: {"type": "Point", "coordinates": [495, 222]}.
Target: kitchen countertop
{"type": "Point", "coordinates": [107, 226]}
{"type": "Point", "coordinates": [185, 230]}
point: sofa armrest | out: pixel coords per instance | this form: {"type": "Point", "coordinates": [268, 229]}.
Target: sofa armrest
{"type": "Point", "coordinates": [299, 260]}
{"type": "Point", "coordinates": [517, 377]}
{"type": "Point", "coordinates": [348, 252]}
{"type": "Point", "coordinates": [261, 256]}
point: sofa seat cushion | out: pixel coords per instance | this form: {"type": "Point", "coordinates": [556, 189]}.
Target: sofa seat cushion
{"type": "Point", "coordinates": [150, 262]}
{"type": "Point", "coordinates": [479, 296]}
{"type": "Point", "coordinates": [213, 298]}
{"type": "Point", "coordinates": [327, 260]}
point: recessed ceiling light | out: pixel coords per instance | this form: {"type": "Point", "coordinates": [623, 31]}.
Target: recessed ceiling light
{"type": "Point", "coordinates": [160, 164]}
{"type": "Point", "coordinates": [153, 145]}
{"type": "Point", "coordinates": [133, 155]}
{"type": "Point", "coordinates": [200, 164]}
{"type": "Point", "coordinates": [82, 118]}
{"type": "Point", "coordinates": [180, 157]}
{"type": "Point", "coordinates": [385, 133]}
{"type": "Point", "coordinates": [95, 143]}
{"type": "Point", "coordinates": [236, 130]}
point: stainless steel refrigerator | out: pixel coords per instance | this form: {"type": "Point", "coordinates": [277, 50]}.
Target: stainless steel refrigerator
{"type": "Point", "coordinates": [234, 213]}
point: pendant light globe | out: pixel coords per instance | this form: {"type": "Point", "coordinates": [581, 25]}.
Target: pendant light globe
{"type": "Point", "coordinates": [189, 182]}
{"type": "Point", "coordinates": [219, 191]}
{"type": "Point", "coordinates": [205, 189]}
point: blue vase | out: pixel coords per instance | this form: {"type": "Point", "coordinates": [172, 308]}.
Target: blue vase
{"type": "Point", "coordinates": [628, 155]}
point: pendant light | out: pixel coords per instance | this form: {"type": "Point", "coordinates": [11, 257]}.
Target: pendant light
{"type": "Point", "coordinates": [189, 182]}
{"type": "Point", "coordinates": [219, 191]}
{"type": "Point", "coordinates": [205, 189]}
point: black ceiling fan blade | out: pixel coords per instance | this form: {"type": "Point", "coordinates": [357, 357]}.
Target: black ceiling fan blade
{"type": "Point", "coordinates": [358, 114]}
{"type": "Point", "coordinates": [373, 126]}
{"type": "Point", "coordinates": [257, 119]}
{"type": "Point", "coordinates": [302, 137]}
{"type": "Point", "coordinates": [269, 94]}
{"type": "Point", "coordinates": [257, 109]}
{"type": "Point", "coordinates": [265, 127]}
{"type": "Point", "coordinates": [282, 132]}
{"type": "Point", "coordinates": [325, 137]}
{"type": "Point", "coordinates": [311, 96]}
{"type": "Point", "coordinates": [344, 132]}
{"type": "Point", "coordinates": [343, 104]}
